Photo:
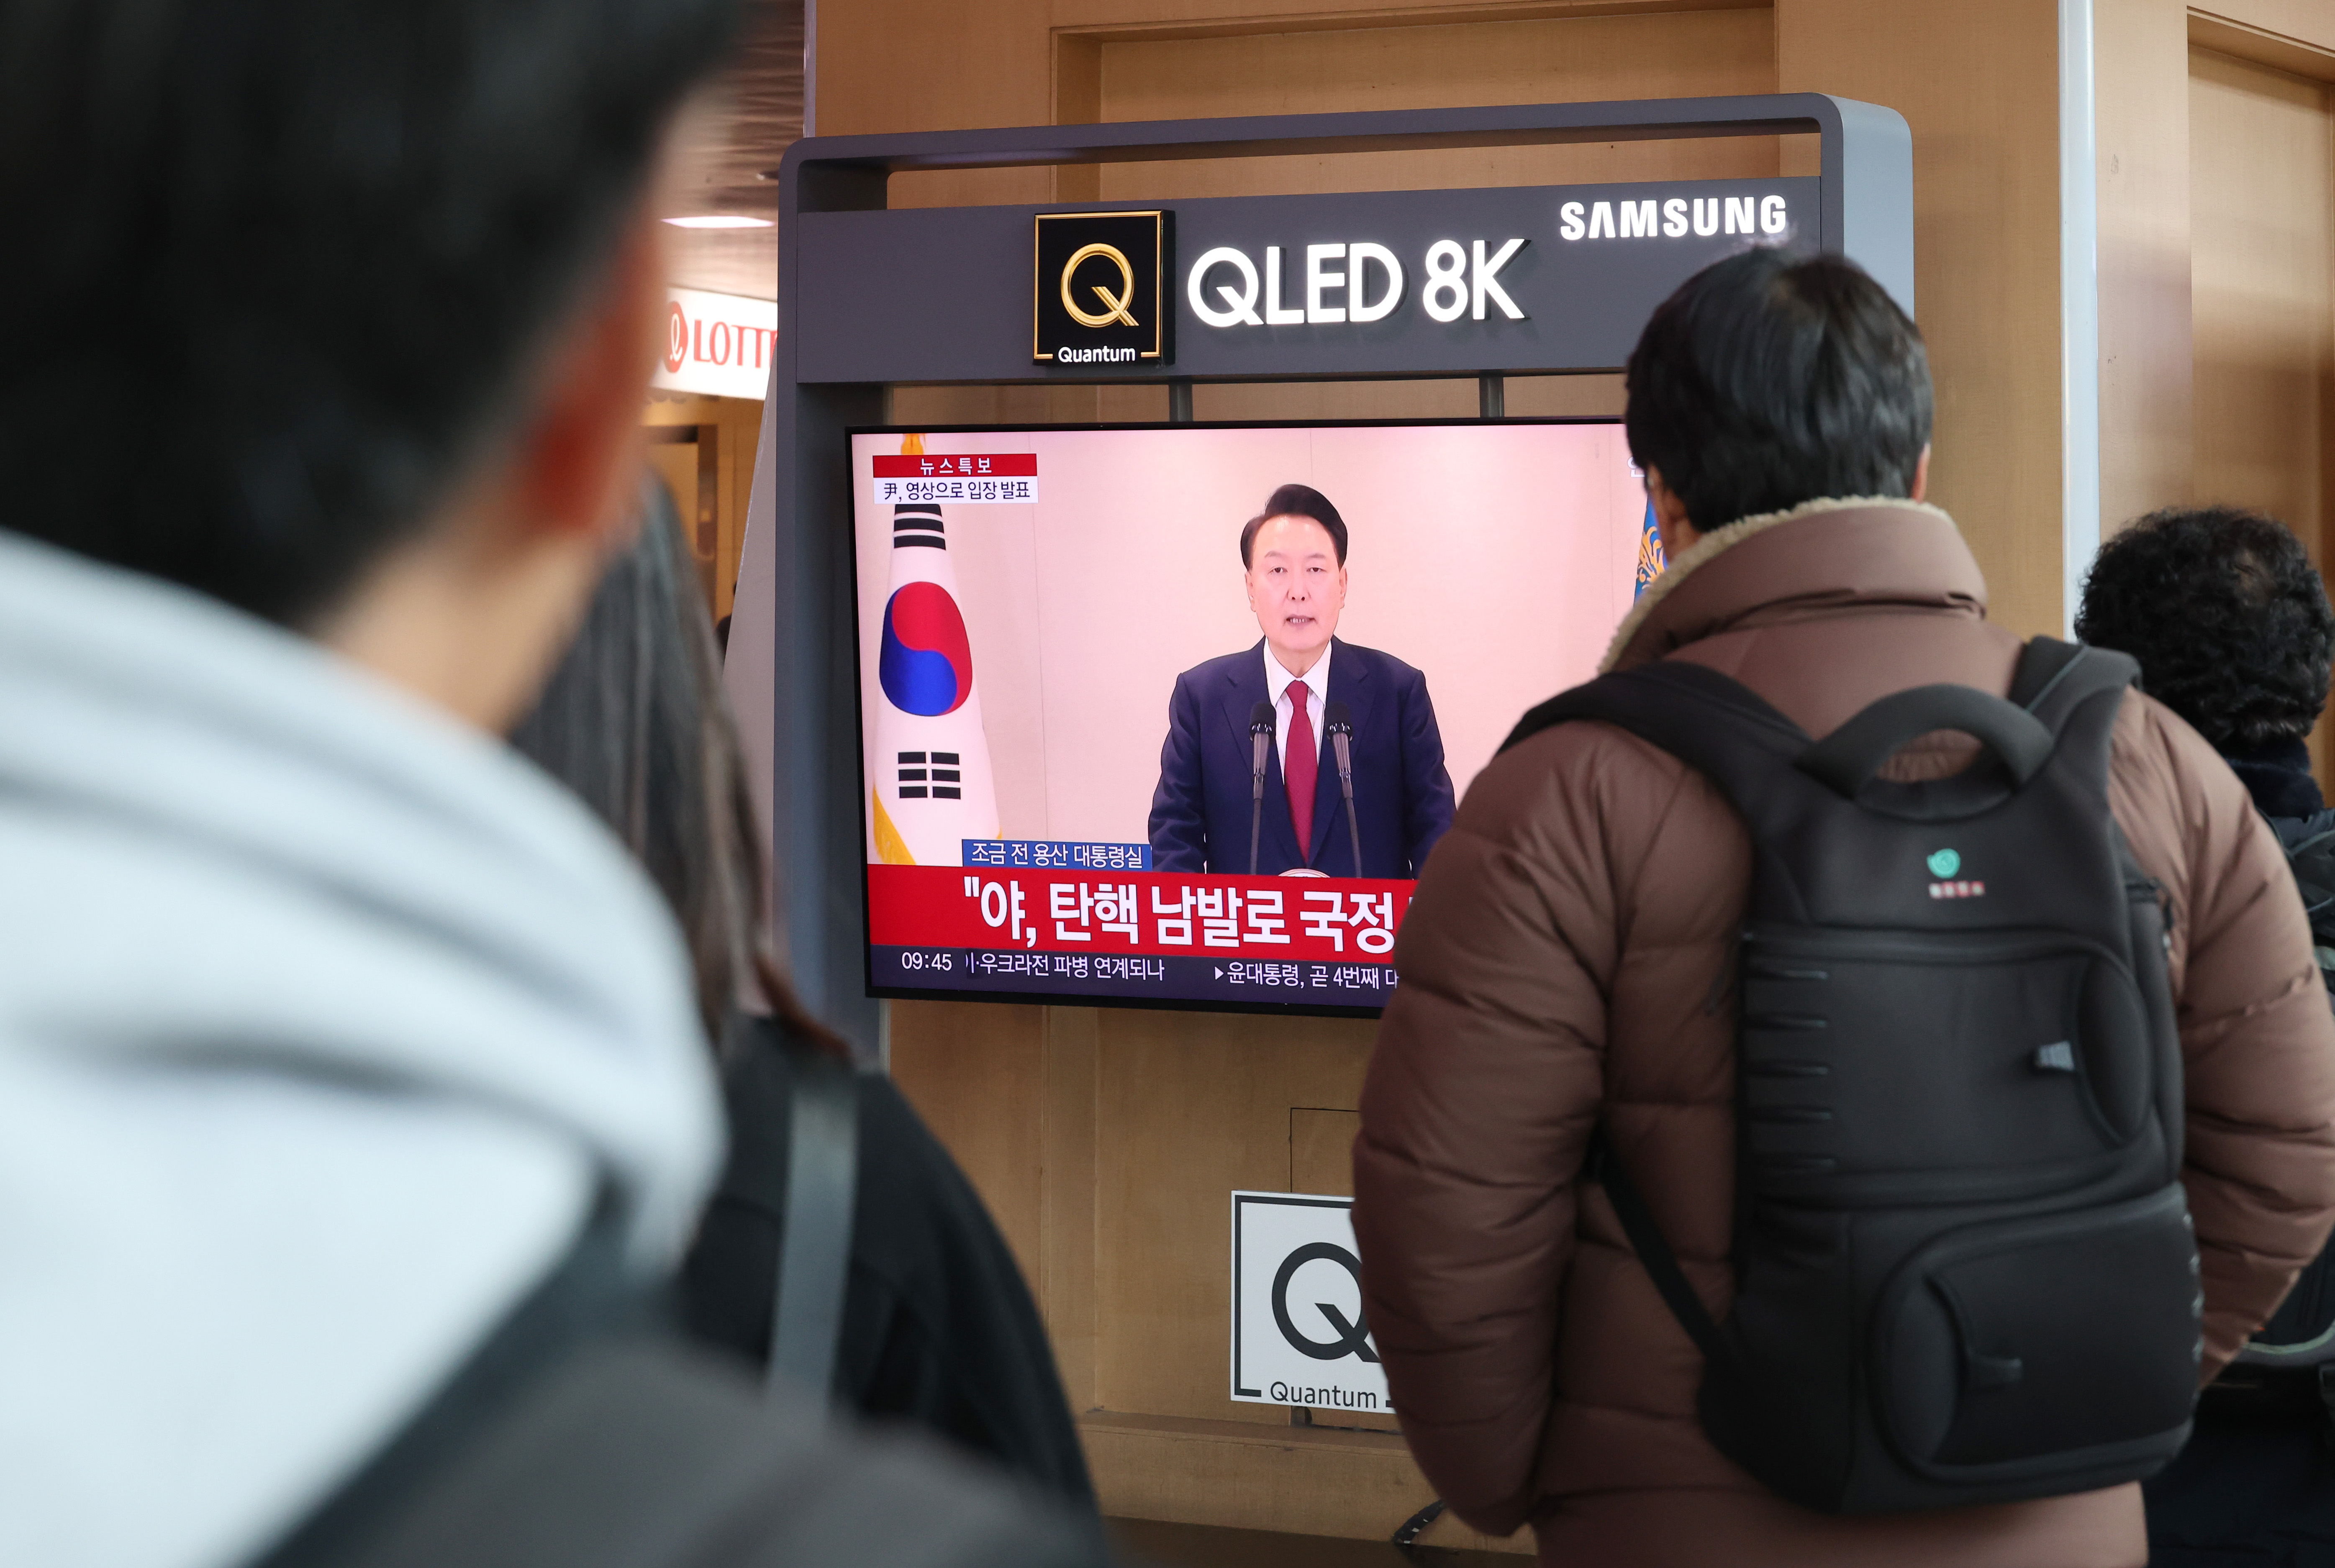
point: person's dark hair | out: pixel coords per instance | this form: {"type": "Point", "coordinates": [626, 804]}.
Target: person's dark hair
{"type": "Point", "coordinates": [634, 720]}
{"type": "Point", "coordinates": [315, 244]}
{"type": "Point", "coordinates": [1296, 501]}
{"type": "Point", "coordinates": [2226, 615]}
{"type": "Point", "coordinates": [1768, 380]}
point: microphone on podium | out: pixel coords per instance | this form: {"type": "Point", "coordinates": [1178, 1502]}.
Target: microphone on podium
{"type": "Point", "coordinates": [1260, 730]}
{"type": "Point", "coordinates": [1338, 724]}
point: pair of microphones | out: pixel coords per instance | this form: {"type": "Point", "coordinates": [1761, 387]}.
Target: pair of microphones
{"type": "Point", "coordinates": [1338, 724]}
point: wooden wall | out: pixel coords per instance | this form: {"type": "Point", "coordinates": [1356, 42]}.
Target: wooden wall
{"type": "Point", "coordinates": [2217, 239]}
{"type": "Point", "coordinates": [1108, 1140]}
{"type": "Point", "coordinates": [737, 424]}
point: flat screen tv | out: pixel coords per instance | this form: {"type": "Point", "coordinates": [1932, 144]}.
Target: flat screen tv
{"type": "Point", "coordinates": [1087, 772]}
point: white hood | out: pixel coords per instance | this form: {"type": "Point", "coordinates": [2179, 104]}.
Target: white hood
{"type": "Point", "coordinates": [321, 1017]}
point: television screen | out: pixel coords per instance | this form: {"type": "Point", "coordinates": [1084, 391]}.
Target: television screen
{"type": "Point", "coordinates": [1172, 715]}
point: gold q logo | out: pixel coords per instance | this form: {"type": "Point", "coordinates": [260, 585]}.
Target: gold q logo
{"type": "Point", "coordinates": [1116, 308]}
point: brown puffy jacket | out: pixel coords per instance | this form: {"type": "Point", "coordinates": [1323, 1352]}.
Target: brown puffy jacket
{"type": "Point", "coordinates": [1567, 960]}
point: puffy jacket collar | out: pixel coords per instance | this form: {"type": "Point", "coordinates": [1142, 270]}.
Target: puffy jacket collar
{"type": "Point", "coordinates": [1820, 557]}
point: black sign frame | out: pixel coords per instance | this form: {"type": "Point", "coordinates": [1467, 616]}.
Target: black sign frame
{"type": "Point", "coordinates": [792, 651]}
{"type": "Point", "coordinates": [1073, 251]}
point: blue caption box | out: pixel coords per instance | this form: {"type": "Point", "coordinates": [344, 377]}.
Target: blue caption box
{"type": "Point", "coordinates": [1056, 855]}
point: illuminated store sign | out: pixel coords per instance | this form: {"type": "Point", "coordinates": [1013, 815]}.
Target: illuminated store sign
{"type": "Point", "coordinates": [718, 344]}
{"type": "Point", "coordinates": [1453, 278]}
{"type": "Point", "coordinates": [1099, 288]}
{"type": "Point", "coordinates": [1514, 279]}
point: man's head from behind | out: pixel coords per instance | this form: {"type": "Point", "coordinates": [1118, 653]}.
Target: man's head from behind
{"type": "Point", "coordinates": [1293, 556]}
{"type": "Point", "coordinates": [2225, 613]}
{"type": "Point", "coordinates": [336, 260]}
{"type": "Point", "coordinates": [1769, 379]}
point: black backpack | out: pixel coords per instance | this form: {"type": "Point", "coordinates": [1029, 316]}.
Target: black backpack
{"type": "Point", "coordinates": [583, 1434]}
{"type": "Point", "coordinates": [1964, 1262]}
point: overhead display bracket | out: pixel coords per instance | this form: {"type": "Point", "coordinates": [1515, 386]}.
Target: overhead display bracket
{"type": "Point", "coordinates": [1492, 282]}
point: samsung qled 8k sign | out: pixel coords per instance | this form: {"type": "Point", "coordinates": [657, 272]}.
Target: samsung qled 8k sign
{"type": "Point", "coordinates": [1107, 757]}
{"type": "Point", "coordinates": [1554, 275]}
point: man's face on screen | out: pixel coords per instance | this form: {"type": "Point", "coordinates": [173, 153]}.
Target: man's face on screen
{"type": "Point", "coordinates": [1297, 587]}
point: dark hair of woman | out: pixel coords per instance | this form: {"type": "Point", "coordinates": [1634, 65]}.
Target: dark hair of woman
{"type": "Point", "coordinates": [2226, 615]}
{"type": "Point", "coordinates": [632, 720]}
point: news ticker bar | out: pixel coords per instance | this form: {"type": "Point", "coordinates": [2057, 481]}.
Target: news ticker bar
{"type": "Point", "coordinates": [1340, 920]}
{"type": "Point", "coordinates": [1258, 983]}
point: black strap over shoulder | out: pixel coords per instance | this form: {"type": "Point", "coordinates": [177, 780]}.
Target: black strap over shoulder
{"type": "Point", "coordinates": [1653, 1249]}
{"type": "Point", "coordinates": [815, 1248]}
{"type": "Point", "coordinates": [589, 1295]}
{"type": "Point", "coordinates": [1669, 703]}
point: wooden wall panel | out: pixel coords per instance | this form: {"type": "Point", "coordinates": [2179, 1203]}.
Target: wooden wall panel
{"type": "Point", "coordinates": [1532, 62]}
{"type": "Point", "coordinates": [2264, 201]}
{"type": "Point", "coordinates": [2142, 51]}
{"type": "Point", "coordinates": [1336, 399]}
{"type": "Point", "coordinates": [977, 1072]}
{"type": "Point", "coordinates": [2263, 205]}
{"type": "Point", "coordinates": [1193, 1105]}
{"type": "Point", "coordinates": [2279, 28]}
{"type": "Point", "coordinates": [1977, 81]}
{"type": "Point", "coordinates": [738, 423]}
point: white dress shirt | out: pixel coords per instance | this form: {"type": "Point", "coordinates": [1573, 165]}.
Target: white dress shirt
{"type": "Point", "coordinates": [1317, 684]}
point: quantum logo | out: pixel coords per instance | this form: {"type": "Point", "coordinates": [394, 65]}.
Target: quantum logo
{"type": "Point", "coordinates": [925, 664]}
{"type": "Point", "coordinates": [1097, 288]}
{"type": "Point", "coordinates": [1114, 307]}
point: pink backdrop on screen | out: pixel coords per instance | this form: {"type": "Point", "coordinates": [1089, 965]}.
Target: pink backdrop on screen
{"type": "Point", "coordinates": [1497, 559]}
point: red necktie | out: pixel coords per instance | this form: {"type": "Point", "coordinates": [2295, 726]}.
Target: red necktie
{"type": "Point", "coordinates": [1299, 769]}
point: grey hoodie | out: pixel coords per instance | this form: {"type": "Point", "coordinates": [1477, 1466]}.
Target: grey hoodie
{"type": "Point", "coordinates": [321, 1019]}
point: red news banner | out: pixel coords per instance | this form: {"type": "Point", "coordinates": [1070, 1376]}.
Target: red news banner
{"type": "Point", "coordinates": [996, 479]}
{"type": "Point", "coordinates": [1316, 920]}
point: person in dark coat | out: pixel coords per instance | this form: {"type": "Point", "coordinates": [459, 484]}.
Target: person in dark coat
{"type": "Point", "coordinates": [938, 1327]}
{"type": "Point", "coordinates": [2231, 628]}
{"type": "Point", "coordinates": [1293, 559]}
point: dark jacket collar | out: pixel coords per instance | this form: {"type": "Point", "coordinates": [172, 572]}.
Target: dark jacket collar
{"type": "Point", "coordinates": [2277, 774]}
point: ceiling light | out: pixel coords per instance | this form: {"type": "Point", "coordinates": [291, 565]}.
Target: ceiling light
{"type": "Point", "coordinates": [721, 221]}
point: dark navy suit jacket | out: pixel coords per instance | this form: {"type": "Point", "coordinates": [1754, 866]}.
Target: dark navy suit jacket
{"type": "Point", "coordinates": [1402, 795]}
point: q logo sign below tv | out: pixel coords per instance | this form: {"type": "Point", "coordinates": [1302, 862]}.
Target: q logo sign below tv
{"type": "Point", "coordinates": [1298, 1337]}
{"type": "Point", "coordinates": [1098, 291]}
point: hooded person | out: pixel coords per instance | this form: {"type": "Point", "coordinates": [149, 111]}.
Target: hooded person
{"type": "Point", "coordinates": [351, 1083]}
{"type": "Point", "coordinates": [938, 1327]}
{"type": "Point", "coordinates": [1570, 965]}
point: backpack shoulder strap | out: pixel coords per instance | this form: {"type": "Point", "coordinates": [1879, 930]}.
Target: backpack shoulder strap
{"type": "Point", "coordinates": [638, 1452]}
{"type": "Point", "coordinates": [1693, 713]}
{"type": "Point", "coordinates": [2055, 678]}
{"type": "Point", "coordinates": [815, 1247]}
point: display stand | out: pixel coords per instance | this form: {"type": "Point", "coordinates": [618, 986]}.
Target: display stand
{"type": "Point", "coordinates": [871, 296]}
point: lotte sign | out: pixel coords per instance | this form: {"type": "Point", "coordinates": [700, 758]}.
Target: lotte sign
{"type": "Point", "coordinates": [716, 343]}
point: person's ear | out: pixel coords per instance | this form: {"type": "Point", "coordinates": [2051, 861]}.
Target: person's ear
{"type": "Point", "coordinates": [579, 453]}
{"type": "Point", "coordinates": [1921, 489]}
{"type": "Point", "coordinates": [1677, 530]}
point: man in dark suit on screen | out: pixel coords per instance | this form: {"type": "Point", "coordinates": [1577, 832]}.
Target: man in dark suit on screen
{"type": "Point", "coordinates": [1295, 555]}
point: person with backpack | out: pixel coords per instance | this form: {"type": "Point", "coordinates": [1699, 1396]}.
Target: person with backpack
{"type": "Point", "coordinates": [1855, 1074]}
{"type": "Point", "coordinates": [352, 1101]}
{"type": "Point", "coordinates": [2231, 625]}
{"type": "Point", "coordinates": [916, 1310]}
